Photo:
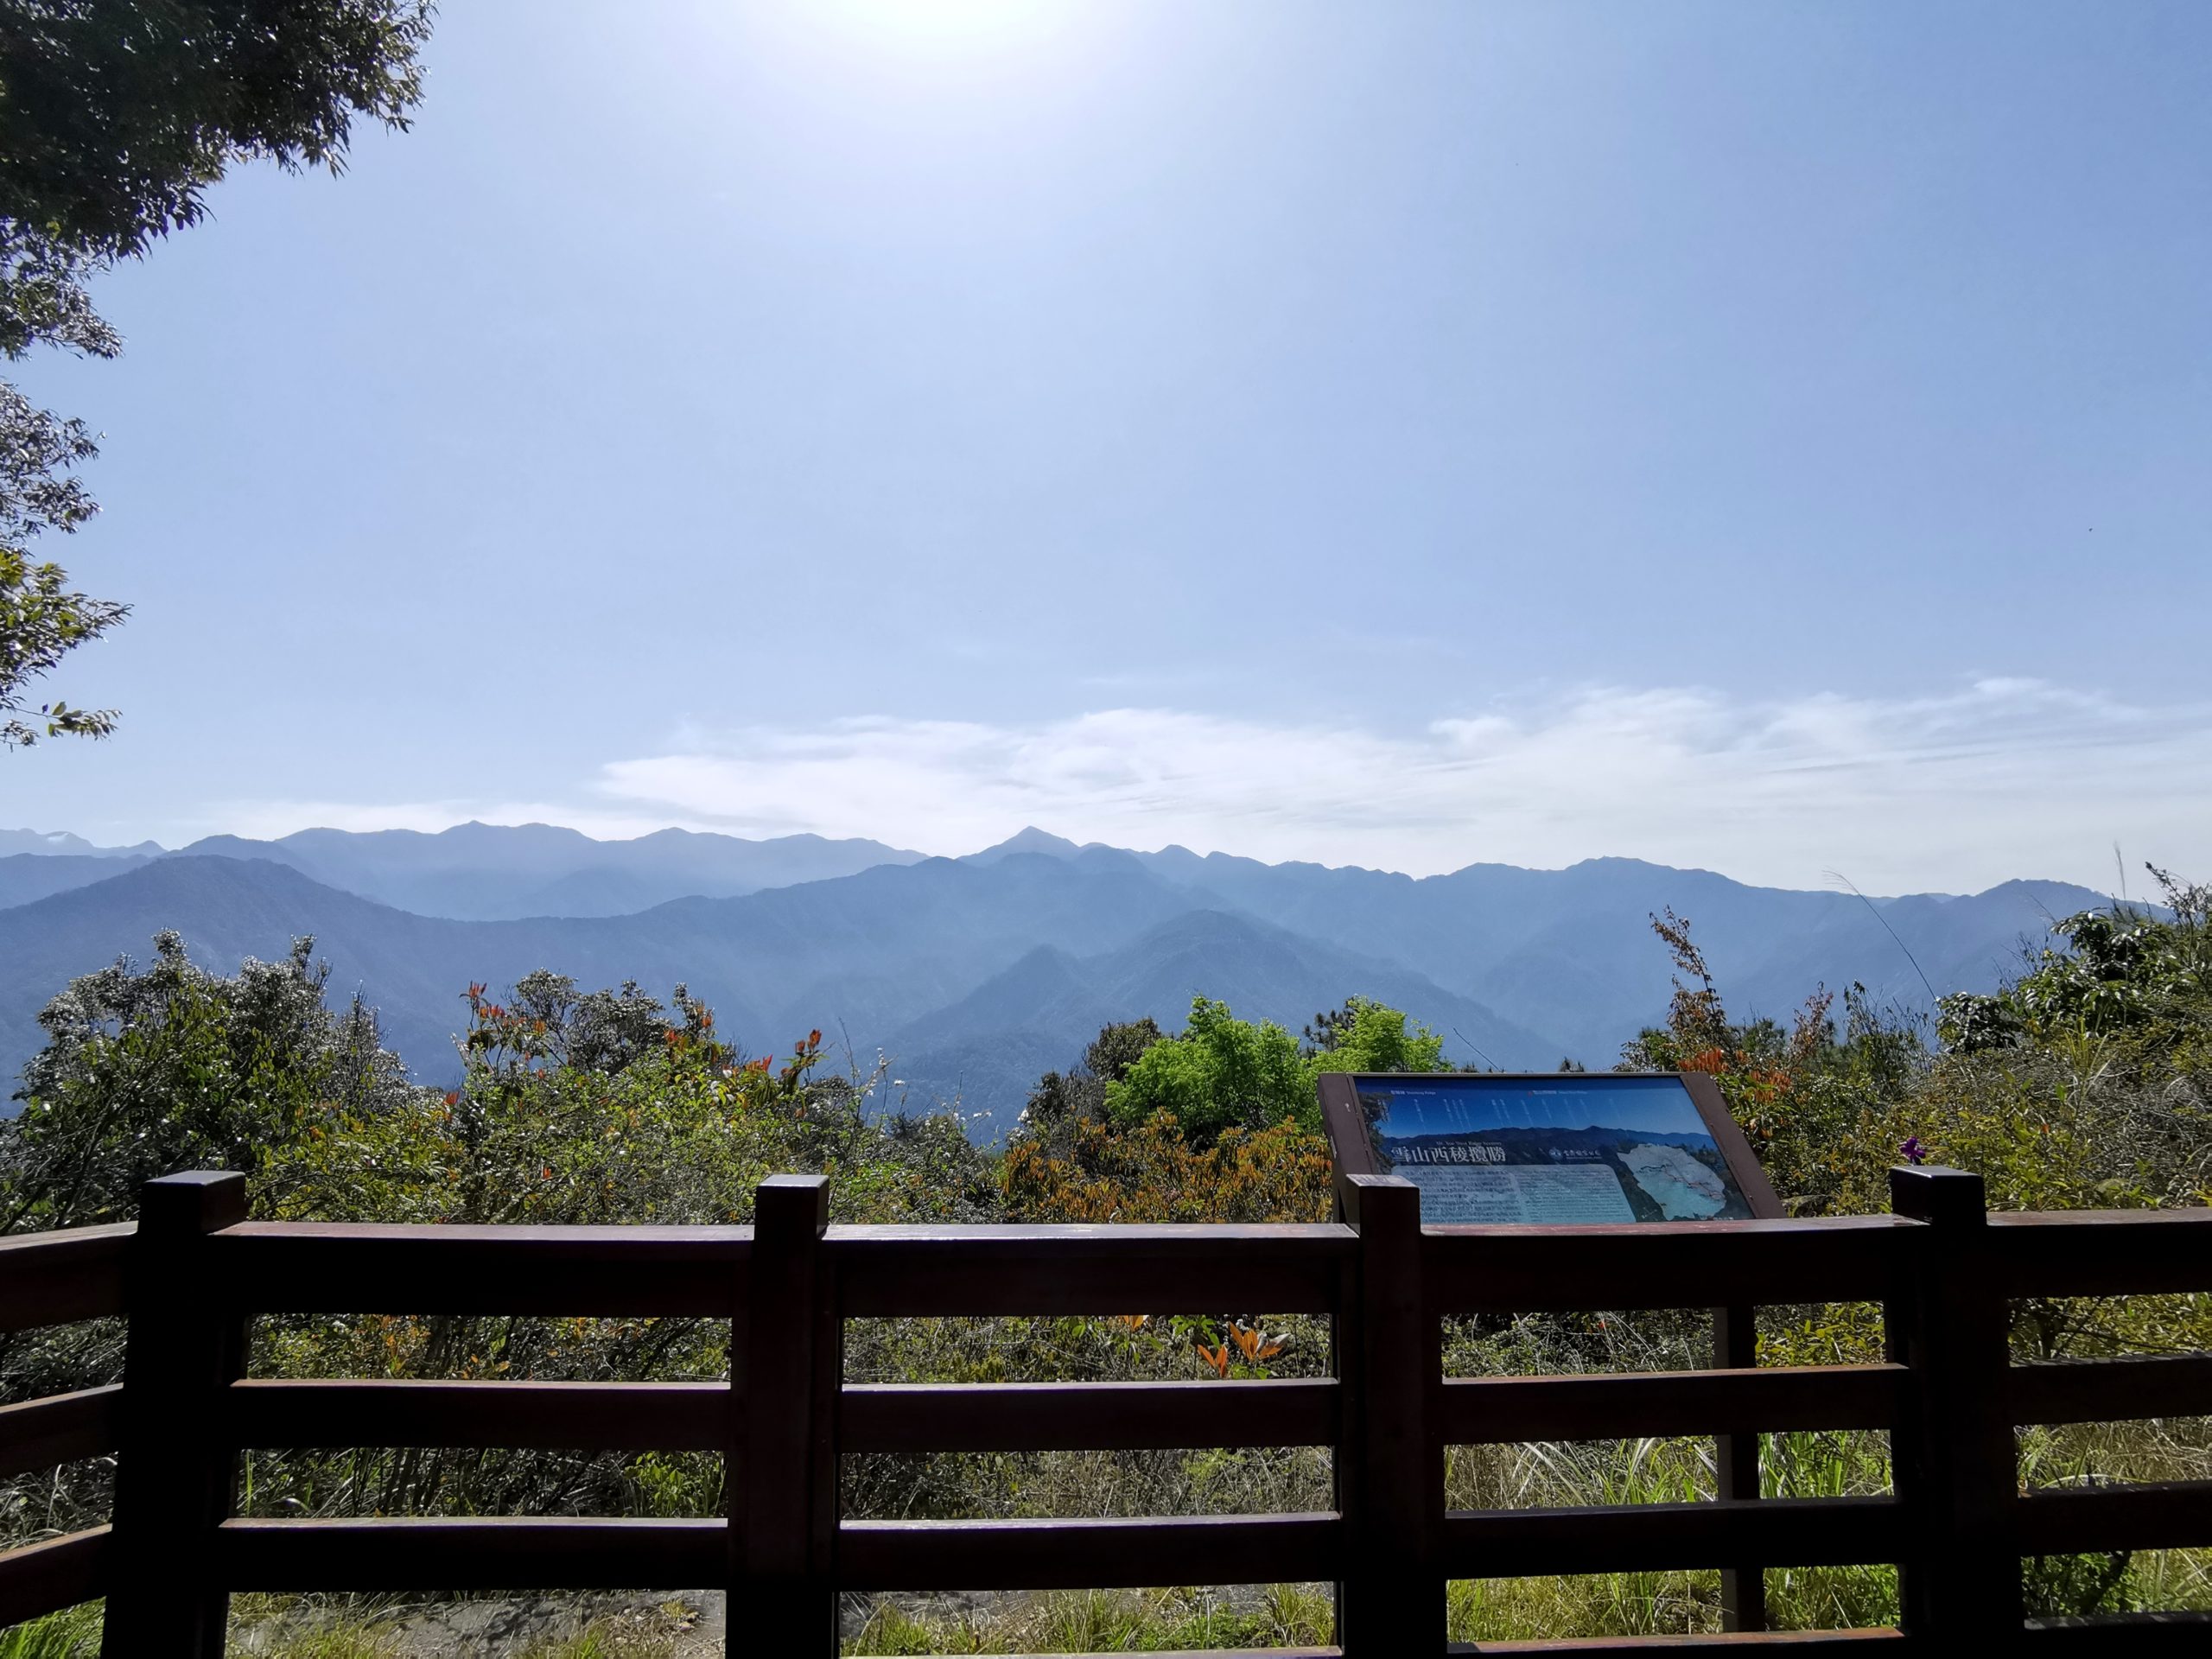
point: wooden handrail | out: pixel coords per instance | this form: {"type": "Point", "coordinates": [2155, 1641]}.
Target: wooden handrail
{"type": "Point", "coordinates": [62, 1429]}
{"type": "Point", "coordinates": [640, 1272]}
{"type": "Point", "coordinates": [61, 1278]}
{"type": "Point", "coordinates": [1941, 1268]}
{"type": "Point", "coordinates": [1663, 1264]}
{"type": "Point", "coordinates": [59, 1572]}
{"type": "Point", "coordinates": [923, 1272]}
{"type": "Point", "coordinates": [2110, 1391]}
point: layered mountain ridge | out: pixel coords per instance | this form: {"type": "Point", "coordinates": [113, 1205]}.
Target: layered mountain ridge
{"type": "Point", "coordinates": [973, 975]}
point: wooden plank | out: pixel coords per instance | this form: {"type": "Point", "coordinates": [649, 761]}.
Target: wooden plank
{"type": "Point", "coordinates": [472, 1553]}
{"type": "Point", "coordinates": [1658, 1537]}
{"type": "Point", "coordinates": [2152, 1515]}
{"type": "Point", "coordinates": [924, 1272]}
{"type": "Point", "coordinates": [1085, 1554]}
{"type": "Point", "coordinates": [64, 1428]}
{"type": "Point", "coordinates": [2102, 1252]}
{"type": "Point", "coordinates": [40, 1578]}
{"type": "Point", "coordinates": [61, 1278]}
{"type": "Point", "coordinates": [1663, 1264]}
{"type": "Point", "coordinates": [1392, 1598]}
{"type": "Point", "coordinates": [2111, 1390]}
{"type": "Point", "coordinates": [1494, 1410]}
{"type": "Point", "coordinates": [783, 1514]}
{"type": "Point", "coordinates": [173, 1479]}
{"type": "Point", "coordinates": [1736, 1452]}
{"type": "Point", "coordinates": [551, 1416]}
{"type": "Point", "coordinates": [2132, 1633]}
{"type": "Point", "coordinates": [1956, 1462]}
{"type": "Point", "coordinates": [641, 1272]}
{"type": "Point", "coordinates": [1795, 1643]}
{"type": "Point", "coordinates": [1085, 1416]}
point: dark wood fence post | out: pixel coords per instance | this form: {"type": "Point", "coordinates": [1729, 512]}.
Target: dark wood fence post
{"type": "Point", "coordinates": [175, 1475]}
{"type": "Point", "coordinates": [1392, 1494]}
{"type": "Point", "coordinates": [1955, 1462]}
{"type": "Point", "coordinates": [783, 1501]}
{"type": "Point", "coordinates": [1736, 1469]}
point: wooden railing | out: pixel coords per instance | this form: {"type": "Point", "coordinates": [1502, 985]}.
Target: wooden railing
{"type": "Point", "coordinates": [195, 1271]}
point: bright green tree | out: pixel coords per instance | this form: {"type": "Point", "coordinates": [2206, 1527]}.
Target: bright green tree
{"type": "Point", "coordinates": [1365, 1035]}
{"type": "Point", "coordinates": [1222, 1073]}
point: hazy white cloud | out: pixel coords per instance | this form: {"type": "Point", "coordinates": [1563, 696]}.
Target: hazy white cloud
{"type": "Point", "coordinates": [1999, 778]}
{"type": "Point", "coordinates": [1953, 792]}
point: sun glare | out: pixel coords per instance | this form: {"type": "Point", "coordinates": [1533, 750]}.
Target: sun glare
{"type": "Point", "coordinates": [946, 27]}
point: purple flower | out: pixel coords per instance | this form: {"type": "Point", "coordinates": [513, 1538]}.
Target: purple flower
{"type": "Point", "coordinates": [1913, 1151]}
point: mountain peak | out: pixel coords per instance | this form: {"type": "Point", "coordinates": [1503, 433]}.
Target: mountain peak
{"type": "Point", "coordinates": [61, 844]}
{"type": "Point", "coordinates": [1030, 840]}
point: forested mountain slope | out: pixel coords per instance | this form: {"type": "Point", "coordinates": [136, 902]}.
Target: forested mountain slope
{"type": "Point", "coordinates": [973, 974]}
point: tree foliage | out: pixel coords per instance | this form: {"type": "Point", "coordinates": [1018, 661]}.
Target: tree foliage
{"type": "Point", "coordinates": [1154, 1172]}
{"type": "Point", "coordinates": [1222, 1073]}
{"type": "Point", "coordinates": [2086, 1082]}
{"type": "Point", "coordinates": [116, 117]}
{"type": "Point", "coordinates": [149, 1070]}
{"type": "Point", "coordinates": [1218, 1124]}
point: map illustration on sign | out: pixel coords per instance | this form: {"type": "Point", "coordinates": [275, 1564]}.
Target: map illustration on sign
{"type": "Point", "coordinates": [1572, 1147]}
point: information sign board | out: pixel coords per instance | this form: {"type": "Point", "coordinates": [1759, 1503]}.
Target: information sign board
{"type": "Point", "coordinates": [1558, 1147]}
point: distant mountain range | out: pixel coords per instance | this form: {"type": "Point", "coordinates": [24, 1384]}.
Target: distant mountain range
{"type": "Point", "coordinates": [479, 872]}
{"type": "Point", "coordinates": [976, 974]}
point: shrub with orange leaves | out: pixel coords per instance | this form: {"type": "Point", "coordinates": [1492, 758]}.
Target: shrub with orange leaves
{"type": "Point", "coordinates": [1810, 1105]}
{"type": "Point", "coordinates": [1152, 1173]}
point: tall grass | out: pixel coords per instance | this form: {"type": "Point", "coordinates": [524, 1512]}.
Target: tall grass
{"type": "Point", "coordinates": [1101, 1621]}
{"type": "Point", "coordinates": [73, 1634]}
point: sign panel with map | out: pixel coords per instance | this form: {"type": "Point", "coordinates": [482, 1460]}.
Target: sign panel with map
{"type": "Point", "coordinates": [1553, 1148]}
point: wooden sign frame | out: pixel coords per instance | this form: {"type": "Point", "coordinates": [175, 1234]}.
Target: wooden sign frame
{"type": "Point", "coordinates": [1347, 1130]}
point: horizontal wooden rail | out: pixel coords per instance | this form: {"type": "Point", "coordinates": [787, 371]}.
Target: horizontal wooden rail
{"type": "Point", "coordinates": [1668, 1264]}
{"type": "Point", "coordinates": [43, 1578]}
{"type": "Point", "coordinates": [2187, 1633]}
{"type": "Point", "coordinates": [1940, 1267]}
{"type": "Point", "coordinates": [1659, 1537]}
{"type": "Point", "coordinates": [2111, 1390]}
{"type": "Point", "coordinates": [2101, 1252]}
{"type": "Point", "coordinates": [61, 1278]}
{"type": "Point", "coordinates": [1484, 1410]}
{"type": "Point", "coordinates": [932, 1272]}
{"type": "Point", "coordinates": [1085, 1416]}
{"type": "Point", "coordinates": [640, 1272]}
{"type": "Point", "coordinates": [1788, 1645]}
{"type": "Point", "coordinates": [551, 1416]}
{"type": "Point", "coordinates": [62, 1429]}
{"type": "Point", "coordinates": [1080, 1554]}
{"type": "Point", "coordinates": [2081, 1520]}
{"type": "Point", "coordinates": [475, 1553]}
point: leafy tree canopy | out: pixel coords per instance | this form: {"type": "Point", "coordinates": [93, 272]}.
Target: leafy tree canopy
{"type": "Point", "coordinates": [115, 116]}
{"type": "Point", "coordinates": [148, 1070]}
{"type": "Point", "coordinates": [1223, 1072]}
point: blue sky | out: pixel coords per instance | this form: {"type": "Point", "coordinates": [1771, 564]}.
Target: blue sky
{"type": "Point", "coordinates": [1769, 437]}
